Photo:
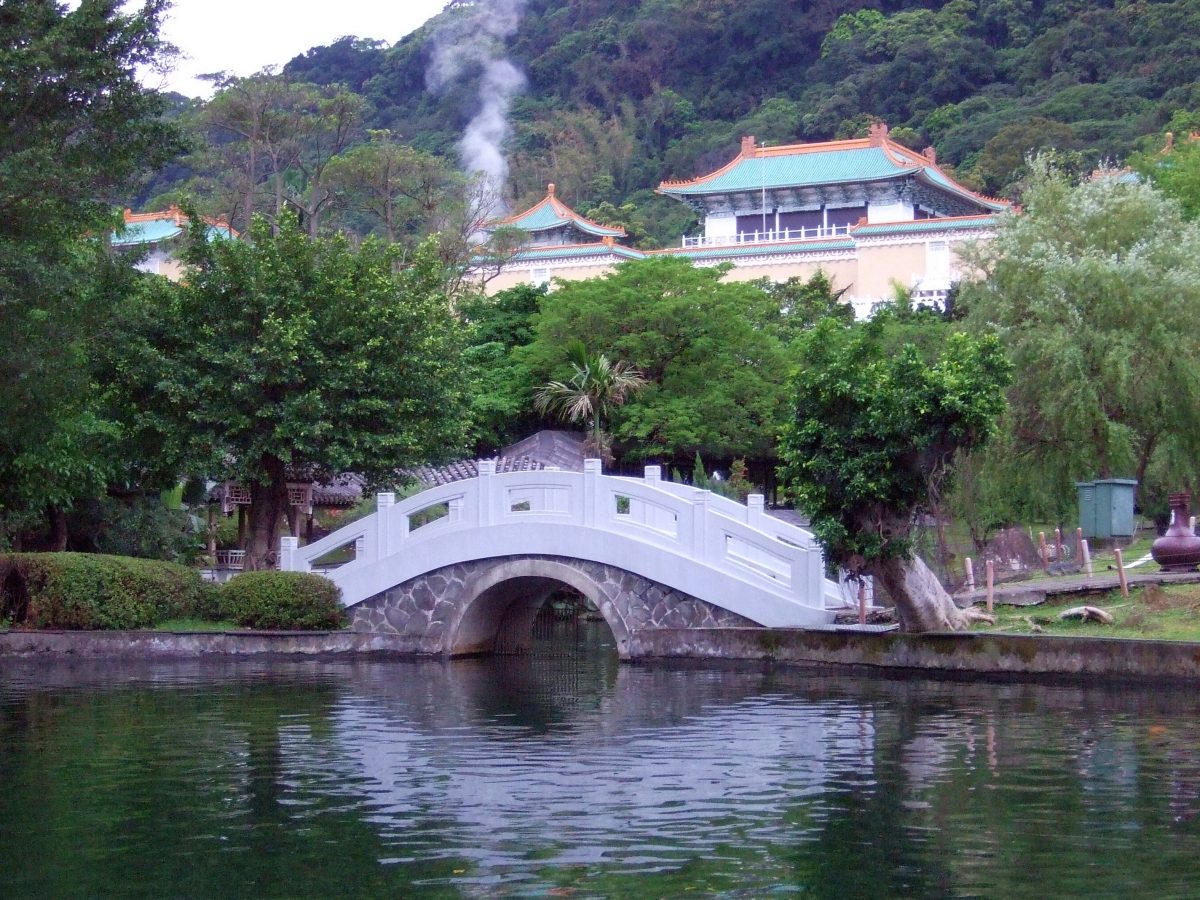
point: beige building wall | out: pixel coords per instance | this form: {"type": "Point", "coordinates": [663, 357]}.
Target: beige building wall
{"type": "Point", "coordinates": [525, 273]}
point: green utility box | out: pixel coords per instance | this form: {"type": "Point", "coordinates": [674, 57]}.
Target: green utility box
{"type": "Point", "coordinates": [1106, 507]}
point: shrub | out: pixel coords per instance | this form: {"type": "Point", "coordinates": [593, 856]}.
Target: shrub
{"type": "Point", "coordinates": [90, 591]}
{"type": "Point", "coordinates": [288, 600]}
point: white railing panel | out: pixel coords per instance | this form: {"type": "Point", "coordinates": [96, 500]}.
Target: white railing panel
{"type": "Point", "coordinates": [360, 533]}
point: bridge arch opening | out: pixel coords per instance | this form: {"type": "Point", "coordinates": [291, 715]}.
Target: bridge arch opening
{"type": "Point", "coordinates": [499, 615]}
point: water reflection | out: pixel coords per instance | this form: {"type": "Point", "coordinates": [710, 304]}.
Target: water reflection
{"type": "Point", "coordinates": [540, 773]}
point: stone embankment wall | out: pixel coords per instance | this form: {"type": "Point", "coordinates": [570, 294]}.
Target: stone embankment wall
{"type": "Point", "coordinates": [985, 655]}
{"type": "Point", "coordinates": [982, 654]}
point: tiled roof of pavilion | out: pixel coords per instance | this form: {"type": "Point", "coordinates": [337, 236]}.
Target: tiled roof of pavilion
{"type": "Point", "coordinates": [155, 227]}
{"type": "Point", "coordinates": [551, 213]}
{"type": "Point", "coordinates": [559, 251]}
{"type": "Point", "coordinates": [872, 159]}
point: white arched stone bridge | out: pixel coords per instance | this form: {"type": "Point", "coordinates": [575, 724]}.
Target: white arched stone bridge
{"type": "Point", "coordinates": [649, 553]}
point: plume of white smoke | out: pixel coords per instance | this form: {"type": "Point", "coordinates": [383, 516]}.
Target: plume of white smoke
{"type": "Point", "coordinates": [475, 42]}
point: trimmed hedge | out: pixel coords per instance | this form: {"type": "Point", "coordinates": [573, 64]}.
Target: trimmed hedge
{"type": "Point", "coordinates": [89, 591]}
{"type": "Point", "coordinates": [285, 600]}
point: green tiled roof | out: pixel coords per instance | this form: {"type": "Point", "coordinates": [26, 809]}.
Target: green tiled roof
{"type": "Point", "coordinates": [576, 250]}
{"type": "Point", "coordinates": [152, 232]}
{"type": "Point", "coordinates": [552, 214]}
{"type": "Point", "coordinates": [795, 170]}
{"type": "Point", "coordinates": [923, 226]}
{"type": "Point", "coordinates": [156, 231]}
{"type": "Point", "coordinates": [806, 167]}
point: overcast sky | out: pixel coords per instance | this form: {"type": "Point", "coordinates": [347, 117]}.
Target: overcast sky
{"type": "Point", "coordinates": [243, 36]}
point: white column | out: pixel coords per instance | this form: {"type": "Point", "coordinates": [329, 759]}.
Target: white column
{"type": "Point", "coordinates": [756, 505]}
{"type": "Point", "coordinates": [653, 473]}
{"type": "Point", "coordinates": [455, 507]}
{"type": "Point", "coordinates": [487, 486]}
{"type": "Point", "coordinates": [700, 524]}
{"type": "Point", "coordinates": [288, 547]}
{"type": "Point", "coordinates": [591, 492]}
{"type": "Point", "coordinates": [383, 523]}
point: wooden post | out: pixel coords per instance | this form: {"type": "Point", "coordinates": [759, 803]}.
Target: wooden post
{"type": "Point", "coordinates": [1044, 551]}
{"type": "Point", "coordinates": [1079, 542]}
{"type": "Point", "coordinates": [991, 584]}
{"type": "Point", "coordinates": [1087, 557]}
{"type": "Point", "coordinates": [1121, 573]}
{"type": "Point", "coordinates": [212, 532]}
{"type": "Point", "coordinates": [862, 603]}
{"type": "Point", "coordinates": [1058, 557]}
{"type": "Point", "coordinates": [970, 567]}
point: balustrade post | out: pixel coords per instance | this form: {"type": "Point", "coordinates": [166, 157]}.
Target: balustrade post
{"type": "Point", "coordinates": [383, 523]}
{"type": "Point", "coordinates": [591, 492]}
{"type": "Point", "coordinates": [455, 508]}
{"type": "Point", "coordinates": [756, 505]}
{"type": "Point", "coordinates": [487, 486]}
{"type": "Point", "coordinates": [653, 473]}
{"type": "Point", "coordinates": [700, 524]}
{"type": "Point", "coordinates": [360, 547]}
{"type": "Point", "coordinates": [288, 547]}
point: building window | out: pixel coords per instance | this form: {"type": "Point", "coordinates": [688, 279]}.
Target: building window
{"type": "Point", "coordinates": [540, 277]}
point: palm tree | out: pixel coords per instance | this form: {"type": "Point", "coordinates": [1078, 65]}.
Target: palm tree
{"type": "Point", "coordinates": [597, 386]}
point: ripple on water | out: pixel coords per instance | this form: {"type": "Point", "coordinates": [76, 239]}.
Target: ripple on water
{"type": "Point", "coordinates": [325, 779]}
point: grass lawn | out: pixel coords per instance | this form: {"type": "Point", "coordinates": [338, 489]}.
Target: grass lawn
{"type": "Point", "coordinates": [195, 625]}
{"type": "Point", "coordinates": [1154, 612]}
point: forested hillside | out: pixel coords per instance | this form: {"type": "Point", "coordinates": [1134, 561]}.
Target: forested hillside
{"type": "Point", "coordinates": [624, 93]}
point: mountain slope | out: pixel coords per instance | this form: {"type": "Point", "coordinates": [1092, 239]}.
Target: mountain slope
{"type": "Point", "coordinates": [624, 93]}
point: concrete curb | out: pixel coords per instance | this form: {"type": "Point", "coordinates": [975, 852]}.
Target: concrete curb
{"type": "Point", "coordinates": [967, 653]}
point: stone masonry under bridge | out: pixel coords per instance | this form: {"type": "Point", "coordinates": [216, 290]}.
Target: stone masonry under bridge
{"type": "Point", "coordinates": [488, 605]}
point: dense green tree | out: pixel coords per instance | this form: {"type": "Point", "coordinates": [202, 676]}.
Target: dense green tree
{"type": "Point", "coordinates": [595, 387]}
{"type": "Point", "coordinates": [1095, 292]}
{"type": "Point", "coordinates": [78, 131]}
{"type": "Point", "coordinates": [1175, 168]}
{"type": "Point", "coordinates": [289, 357]}
{"type": "Point", "coordinates": [501, 385]}
{"type": "Point", "coordinates": [710, 350]}
{"type": "Point", "coordinates": [872, 439]}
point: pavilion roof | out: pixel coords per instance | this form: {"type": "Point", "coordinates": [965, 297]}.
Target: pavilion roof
{"type": "Point", "coordinates": [153, 228]}
{"type": "Point", "coordinates": [552, 213]}
{"type": "Point", "coordinates": [871, 159]}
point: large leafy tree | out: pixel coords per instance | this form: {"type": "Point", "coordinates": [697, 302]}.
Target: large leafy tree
{"type": "Point", "coordinates": [1095, 291]}
{"type": "Point", "coordinates": [710, 351]}
{"type": "Point", "coordinates": [286, 357]}
{"type": "Point", "coordinates": [596, 387]}
{"type": "Point", "coordinates": [501, 386]}
{"type": "Point", "coordinates": [78, 131]}
{"type": "Point", "coordinates": [876, 426]}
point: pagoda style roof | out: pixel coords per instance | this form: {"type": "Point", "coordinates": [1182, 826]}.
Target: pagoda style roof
{"type": "Point", "coordinates": [577, 250]}
{"type": "Point", "coordinates": [552, 213]}
{"type": "Point", "coordinates": [143, 229]}
{"type": "Point", "coordinates": [871, 159]}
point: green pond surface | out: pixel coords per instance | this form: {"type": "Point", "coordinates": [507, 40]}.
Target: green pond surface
{"type": "Point", "coordinates": [564, 773]}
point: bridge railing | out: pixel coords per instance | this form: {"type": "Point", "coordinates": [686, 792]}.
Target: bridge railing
{"type": "Point", "coordinates": [741, 540]}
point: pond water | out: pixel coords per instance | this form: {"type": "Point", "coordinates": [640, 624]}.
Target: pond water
{"type": "Point", "coordinates": [564, 773]}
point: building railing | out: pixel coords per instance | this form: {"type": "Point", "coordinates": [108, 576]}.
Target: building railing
{"type": "Point", "coordinates": [817, 232]}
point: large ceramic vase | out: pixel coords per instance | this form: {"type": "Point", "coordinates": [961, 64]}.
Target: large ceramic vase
{"type": "Point", "coordinates": [1179, 549]}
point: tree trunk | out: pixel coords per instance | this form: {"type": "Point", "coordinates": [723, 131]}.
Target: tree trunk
{"type": "Point", "coordinates": [922, 604]}
{"type": "Point", "coordinates": [57, 520]}
{"type": "Point", "coordinates": [268, 504]}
